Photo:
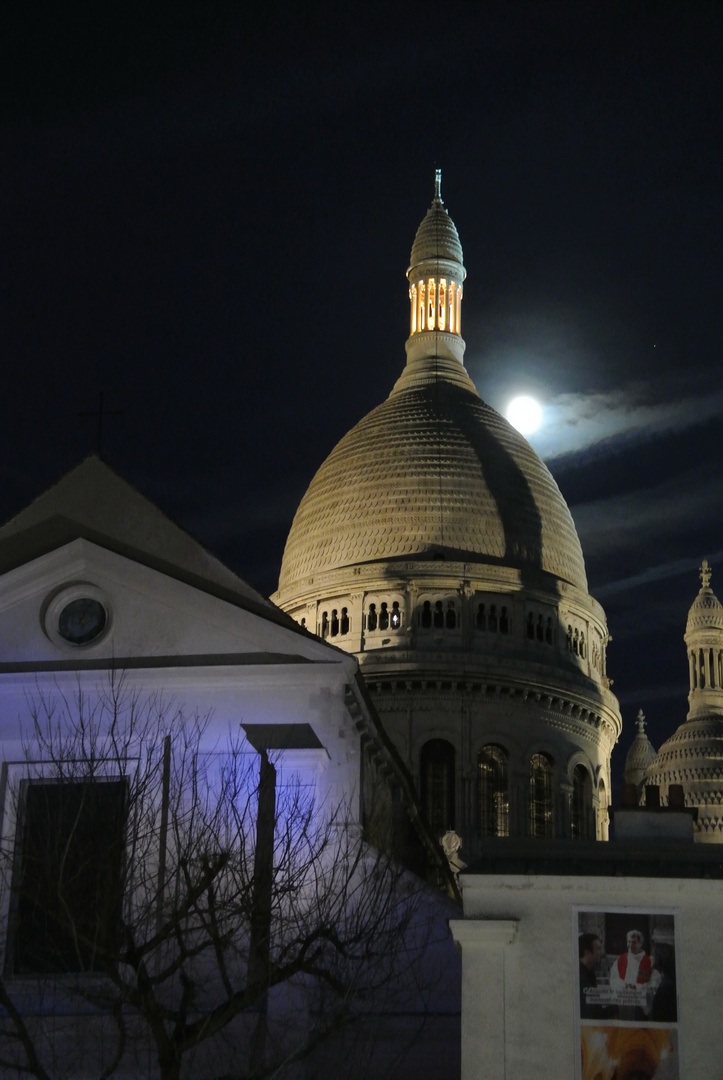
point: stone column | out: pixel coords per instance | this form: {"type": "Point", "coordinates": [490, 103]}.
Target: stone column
{"type": "Point", "coordinates": [482, 943]}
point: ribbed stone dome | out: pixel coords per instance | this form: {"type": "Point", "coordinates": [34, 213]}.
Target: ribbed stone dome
{"type": "Point", "coordinates": [693, 753]}
{"type": "Point", "coordinates": [437, 237]}
{"type": "Point", "coordinates": [433, 472]}
{"type": "Point", "coordinates": [640, 755]}
{"type": "Point", "coordinates": [706, 611]}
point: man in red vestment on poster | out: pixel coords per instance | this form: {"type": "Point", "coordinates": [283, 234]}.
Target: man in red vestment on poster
{"type": "Point", "coordinates": [634, 967]}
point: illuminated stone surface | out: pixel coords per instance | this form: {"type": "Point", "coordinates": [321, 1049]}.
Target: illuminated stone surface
{"type": "Point", "coordinates": [435, 545]}
{"type": "Point", "coordinates": [693, 756]}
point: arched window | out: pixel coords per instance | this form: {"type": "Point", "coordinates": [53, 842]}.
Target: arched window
{"type": "Point", "coordinates": [492, 624]}
{"type": "Point", "coordinates": [426, 616]}
{"type": "Point", "coordinates": [384, 618]}
{"type": "Point", "coordinates": [344, 626]}
{"type": "Point", "coordinates": [504, 622]}
{"type": "Point", "coordinates": [372, 617]}
{"type": "Point", "coordinates": [541, 818]}
{"type": "Point", "coordinates": [531, 626]}
{"type": "Point", "coordinates": [451, 618]}
{"type": "Point", "coordinates": [396, 617]}
{"type": "Point", "coordinates": [480, 619]}
{"type": "Point", "coordinates": [438, 615]}
{"type": "Point", "coordinates": [334, 623]}
{"type": "Point", "coordinates": [325, 624]}
{"type": "Point", "coordinates": [493, 792]}
{"type": "Point", "coordinates": [437, 787]}
{"type": "Point", "coordinates": [581, 824]}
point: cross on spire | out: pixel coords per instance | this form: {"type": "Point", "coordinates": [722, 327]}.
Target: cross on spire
{"type": "Point", "coordinates": [438, 184]}
{"type": "Point", "coordinates": [705, 573]}
{"type": "Point", "coordinates": [100, 412]}
{"type": "Point", "coordinates": [640, 721]}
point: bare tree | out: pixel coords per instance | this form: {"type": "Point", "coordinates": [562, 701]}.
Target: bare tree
{"type": "Point", "coordinates": [169, 905]}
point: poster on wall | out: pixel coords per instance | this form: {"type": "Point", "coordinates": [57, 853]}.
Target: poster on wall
{"type": "Point", "coordinates": [626, 997]}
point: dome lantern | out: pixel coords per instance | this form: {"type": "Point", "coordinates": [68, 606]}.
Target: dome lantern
{"type": "Point", "coordinates": [436, 273]}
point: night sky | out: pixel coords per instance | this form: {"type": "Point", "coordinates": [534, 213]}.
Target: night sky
{"type": "Point", "coordinates": [207, 217]}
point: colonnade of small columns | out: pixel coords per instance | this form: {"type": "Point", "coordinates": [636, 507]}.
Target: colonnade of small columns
{"type": "Point", "coordinates": [368, 621]}
{"type": "Point", "coordinates": [706, 669]}
{"type": "Point", "coordinates": [436, 304]}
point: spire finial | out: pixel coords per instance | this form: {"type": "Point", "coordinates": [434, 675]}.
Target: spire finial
{"type": "Point", "coordinates": [640, 721]}
{"type": "Point", "coordinates": [438, 184]}
{"type": "Point", "coordinates": [705, 573]}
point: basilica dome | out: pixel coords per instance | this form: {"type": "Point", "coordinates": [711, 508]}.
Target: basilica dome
{"type": "Point", "coordinates": [433, 471]}
{"type": "Point", "coordinates": [435, 545]}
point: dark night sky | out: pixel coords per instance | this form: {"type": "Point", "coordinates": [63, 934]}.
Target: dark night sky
{"type": "Point", "coordinates": [208, 217]}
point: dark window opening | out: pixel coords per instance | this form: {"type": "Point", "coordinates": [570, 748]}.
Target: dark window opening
{"type": "Point", "coordinates": [437, 776]}
{"type": "Point", "coordinates": [372, 617]}
{"type": "Point", "coordinates": [427, 615]}
{"type": "Point", "coordinates": [541, 821]}
{"type": "Point", "coordinates": [531, 626]}
{"type": "Point", "coordinates": [68, 877]}
{"type": "Point", "coordinates": [493, 796]}
{"type": "Point", "coordinates": [438, 615]}
{"type": "Point", "coordinates": [384, 618]}
{"type": "Point", "coordinates": [344, 623]}
{"type": "Point", "coordinates": [480, 620]}
{"type": "Point", "coordinates": [504, 622]}
{"type": "Point", "coordinates": [451, 619]}
{"type": "Point", "coordinates": [581, 805]}
{"type": "Point", "coordinates": [492, 624]}
{"type": "Point", "coordinates": [396, 618]}
{"type": "Point", "coordinates": [334, 623]}
{"type": "Point", "coordinates": [325, 624]}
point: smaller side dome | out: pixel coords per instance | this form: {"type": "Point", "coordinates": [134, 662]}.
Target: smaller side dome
{"type": "Point", "coordinates": [640, 755]}
{"type": "Point", "coordinates": [706, 611]}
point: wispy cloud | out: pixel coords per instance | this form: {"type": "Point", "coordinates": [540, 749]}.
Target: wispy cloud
{"type": "Point", "coordinates": [574, 423]}
{"type": "Point", "coordinates": [638, 519]}
{"type": "Point", "coordinates": [663, 572]}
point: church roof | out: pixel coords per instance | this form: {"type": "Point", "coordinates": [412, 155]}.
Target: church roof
{"type": "Point", "coordinates": [93, 502]}
{"type": "Point", "coordinates": [432, 470]}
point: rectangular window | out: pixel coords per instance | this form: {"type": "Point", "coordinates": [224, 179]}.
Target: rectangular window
{"type": "Point", "coordinates": [67, 877]}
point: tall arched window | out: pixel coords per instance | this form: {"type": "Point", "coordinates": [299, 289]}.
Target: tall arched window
{"type": "Point", "coordinates": [493, 792]}
{"type": "Point", "coordinates": [581, 823]}
{"type": "Point", "coordinates": [541, 816]}
{"type": "Point", "coordinates": [437, 776]}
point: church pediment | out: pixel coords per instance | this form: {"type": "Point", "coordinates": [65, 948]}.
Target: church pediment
{"type": "Point", "coordinates": [81, 604]}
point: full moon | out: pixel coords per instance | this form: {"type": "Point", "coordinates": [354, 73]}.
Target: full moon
{"type": "Point", "coordinates": [525, 414]}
